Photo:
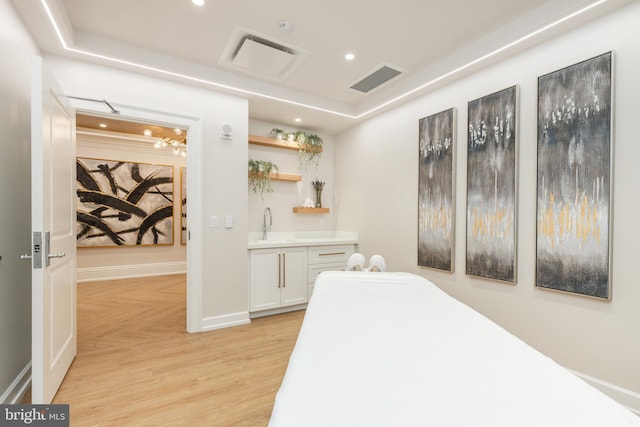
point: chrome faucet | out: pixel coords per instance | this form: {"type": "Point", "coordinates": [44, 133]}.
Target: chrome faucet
{"type": "Point", "coordinates": [264, 222]}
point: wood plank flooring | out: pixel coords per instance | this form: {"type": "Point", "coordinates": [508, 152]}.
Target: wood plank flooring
{"type": "Point", "coordinates": [137, 365]}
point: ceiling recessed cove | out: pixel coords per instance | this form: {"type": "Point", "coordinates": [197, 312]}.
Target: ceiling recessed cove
{"type": "Point", "coordinates": [381, 75]}
{"type": "Point", "coordinates": [261, 56]}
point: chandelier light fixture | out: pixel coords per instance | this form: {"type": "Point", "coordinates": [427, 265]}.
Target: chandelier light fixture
{"type": "Point", "coordinates": [177, 144]}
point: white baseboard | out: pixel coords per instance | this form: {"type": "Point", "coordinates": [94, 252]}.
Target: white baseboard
{"type": "Point", "coordinates": [627, 398]}
{"type": "Point", "coordinates": [93, 274]}
{"type": "Point", "coordinates": [279, 310]}
{"type": "Point", "coordinates": [18, 387]}
{"type": "Point", "coordinates": [225, 321]}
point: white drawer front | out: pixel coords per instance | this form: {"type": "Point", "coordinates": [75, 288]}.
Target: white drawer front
{"type": "Point", "coordinates": [330, 254]}
{"type": "Point", "coordinates": [314, 270]}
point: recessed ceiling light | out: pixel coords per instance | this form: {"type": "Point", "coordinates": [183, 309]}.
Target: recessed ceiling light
{"type": "Point", "coordinates": [298, 119]}
{"type": "Point", "coordinates": [102, 125]}
{"type": "Point", "coordinates": [349, 57]}
{"type": "Point", "coordinates": [147, 132]}
{"type": "Point", "coordinates": [198, 2]}
{"type": "Point", "coordinates": [178, 131]}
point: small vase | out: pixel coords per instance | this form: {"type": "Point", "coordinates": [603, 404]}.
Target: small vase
{"type": "Point", "coordinates": [318, 198]}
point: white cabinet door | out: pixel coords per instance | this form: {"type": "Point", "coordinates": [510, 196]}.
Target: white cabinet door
{"type": "Point", "coordinates": [294, 279]}
{"type": "Point", "coordinates": [265, 279]}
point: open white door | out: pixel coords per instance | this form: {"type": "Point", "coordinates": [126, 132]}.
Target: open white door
{"type": "Point", "coordinates": [53, 173]}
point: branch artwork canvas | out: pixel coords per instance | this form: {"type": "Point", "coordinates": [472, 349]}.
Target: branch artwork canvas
{"type": "Point", "coordinates": [491, 186]}
{"type": "Point", "coordinates": [123, 203]}
{"type": "Point", "coordinates": [436, 209]}
{"type": "Point", "coordinates": [574, 178]}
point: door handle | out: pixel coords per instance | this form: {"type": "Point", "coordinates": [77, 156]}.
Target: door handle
{"type": "Point", "coordinates": [26, 256]}
{"type": "Point", "coordinates": [60, 255]}
{"type": "Point", "coordinates": [47, 238]}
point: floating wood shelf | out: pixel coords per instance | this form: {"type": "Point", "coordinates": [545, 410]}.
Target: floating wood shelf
{"type": "Point", "coordinates": [300, 209]}
{"type": "Point", "coordinates": [276, 143]}
{"type": "Point", "coordinates": [283, 176]}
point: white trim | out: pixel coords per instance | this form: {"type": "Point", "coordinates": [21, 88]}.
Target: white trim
{"type": "Point", "coordinates": [625, 397]}
{"type": "Point", "coordinates": [225, 321]}
{"type": "Point", "coordinates": [93, 274]}
{"type": "Point", "coordinates": [280, 310]}
{"type": "Point", "coordinates": [18, 387]}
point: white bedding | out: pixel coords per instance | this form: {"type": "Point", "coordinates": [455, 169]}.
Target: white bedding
{"type": "Point", "coordinates": [392, 349]}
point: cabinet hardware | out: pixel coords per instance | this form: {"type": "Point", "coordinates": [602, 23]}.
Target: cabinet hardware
{"type": "Point", "coordinates": [332, 253]}
{"type": "Point", "coordinates": [284, 270]}
{"type": "Point", "coordinates": [279, 270]}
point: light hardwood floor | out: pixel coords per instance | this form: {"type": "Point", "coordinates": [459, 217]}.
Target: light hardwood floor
{"type": "Point", "coordinates": [137, 365]}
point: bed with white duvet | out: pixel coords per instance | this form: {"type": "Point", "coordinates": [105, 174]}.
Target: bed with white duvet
{"type": "Point", "coordinates": [392, 349]}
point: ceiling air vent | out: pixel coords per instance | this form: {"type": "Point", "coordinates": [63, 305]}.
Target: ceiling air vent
{"type": "Point", "coordinates": [375, 79]}
{"type": "Point", "coordinates": [259, 55]}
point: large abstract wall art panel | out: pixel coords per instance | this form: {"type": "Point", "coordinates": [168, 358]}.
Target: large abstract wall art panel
{"type": "Point", "coordinates": [123, 203]}
{"type": "Point", "coordinates": [574, 178]}
{"type": "Point", "coordinates": [491, 186]}
{"type": "Point", "coordinates": [436, 222]}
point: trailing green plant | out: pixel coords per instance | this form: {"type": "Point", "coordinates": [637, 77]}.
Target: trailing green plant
{"type": "Point", "coordinates": [260, 176]}
{"type": "Point", "coordinates": [310, 150]}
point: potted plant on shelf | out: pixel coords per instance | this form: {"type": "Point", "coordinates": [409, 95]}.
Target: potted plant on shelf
{"type": "Point", "coordinates": [310, 150]}
{"type": "Point", "coordinates": [260, 176]}
{"type": "Point", "coordinates": [278, 133]}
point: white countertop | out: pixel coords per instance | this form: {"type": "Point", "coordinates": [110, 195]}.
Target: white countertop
{"type": "Point", "coordinates": [279, 239]}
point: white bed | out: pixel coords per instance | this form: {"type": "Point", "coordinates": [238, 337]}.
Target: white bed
{"type": "Point", "coordinates": [392, 349]}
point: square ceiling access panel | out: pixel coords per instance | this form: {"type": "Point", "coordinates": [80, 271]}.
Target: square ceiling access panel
{"type": "Point", "coordinates": [262, 58]}
{"type": "Point", "coordinates": [257, 54]}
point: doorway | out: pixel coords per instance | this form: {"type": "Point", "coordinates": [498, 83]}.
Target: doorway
{"type": "Point", "coordinates": [131, 210]}
{"type": "Point", "coordinates": [191, 173]}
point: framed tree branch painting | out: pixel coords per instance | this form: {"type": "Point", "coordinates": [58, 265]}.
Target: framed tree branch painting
{"type": "Point", "coordinates": [183, 206]}
{"type": "Point", "coordinates": [574, 185]}
{"type": "Point", "coordinates": [491, 186]}
{"type": "Point", "coordinates": [123, 203]}
{"type": "Point", "coordinates": [436, 197]}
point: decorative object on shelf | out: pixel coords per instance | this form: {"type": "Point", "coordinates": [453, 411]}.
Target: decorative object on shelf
{"type": "Point", "coordinates": [260, 176]}
{"type": "Point", "coordinates": [310, 149]}
{"type": "Point", "coordinates": [308, 203]}
{"type": "Point", "coordinates": [318, 186]}
{"type": "Point", "coordinates": [574, 207]}
{"type": "Point", "coordinates": [278, 133]}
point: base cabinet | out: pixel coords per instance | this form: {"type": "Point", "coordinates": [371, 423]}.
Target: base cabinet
{"type": "Point", "coordinates": [326, 258]}
{"type": "Point", "coordinates": [278, 278]}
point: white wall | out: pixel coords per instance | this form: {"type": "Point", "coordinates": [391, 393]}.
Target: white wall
{"type": "Point", "coordinates": [101, 263]}
{"type": "Point", "coordinates": [17, 49]}
{"type": "Point", "coordinates": [224, 163]}
{"type": "Point", "coordinates": [378, 196]}
{"type": "Point", "coordinates": [286, 195]}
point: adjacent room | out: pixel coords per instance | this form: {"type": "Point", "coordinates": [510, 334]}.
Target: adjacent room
{"type": "Point", "coordinates": [418, 213]}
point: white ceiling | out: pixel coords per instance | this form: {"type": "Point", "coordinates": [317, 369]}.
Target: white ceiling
{"type": "Point", "coordinates": [429, 40]}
